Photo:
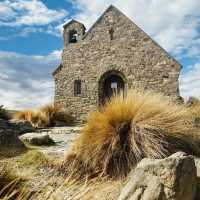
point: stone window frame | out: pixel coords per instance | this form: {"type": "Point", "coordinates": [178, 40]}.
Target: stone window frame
{"type": "Point", "coordinates": [77, 87]}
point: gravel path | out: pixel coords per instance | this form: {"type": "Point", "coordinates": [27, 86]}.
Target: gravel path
{"type": "Point", "coordinates": [62, 136]}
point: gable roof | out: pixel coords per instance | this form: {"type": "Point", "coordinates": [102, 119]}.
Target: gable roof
{"type": "Point", "coordinates": [73, 21]}
{"type": "Point", "coordinates": [112, 7]}
{"type": "Point", "coordinates": [57, 69]}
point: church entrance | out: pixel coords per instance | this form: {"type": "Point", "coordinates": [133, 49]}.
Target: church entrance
{"type": "Point", "coordinates": [111, 83]}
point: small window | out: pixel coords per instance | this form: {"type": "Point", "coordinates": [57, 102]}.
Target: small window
{"type": "Point", "coordinates": [113, 85]}
{"type": "Point", "coordinates": [111, 32]}
{"type": "Point", "coordinates": [77, 87]}
{"type": "Point", "coordinates": [73, 36]}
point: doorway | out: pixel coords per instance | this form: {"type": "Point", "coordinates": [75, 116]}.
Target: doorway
{"type": "Point", "coordinates": [111, 83]}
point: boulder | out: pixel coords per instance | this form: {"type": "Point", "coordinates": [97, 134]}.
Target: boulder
{"type": "Point", "coordinates": [22, 127]}
{"type": "Point", "coordinates": [172, 178]}
{"type": "Point", "coordinates": [9, 137]}
{"type": "Point", "coordinates": [37, 139]}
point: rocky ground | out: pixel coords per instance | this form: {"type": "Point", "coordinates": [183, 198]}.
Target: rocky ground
{"type": "Point", "coordinates": [62, 136]}
{"type": "Point", "coordinates": [174, 178]}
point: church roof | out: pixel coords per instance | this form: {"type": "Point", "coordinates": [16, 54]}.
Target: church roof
{"type": "Point", "coordinates": [113, 8]}
{"type": "Point", "coordinates": [73, 21]}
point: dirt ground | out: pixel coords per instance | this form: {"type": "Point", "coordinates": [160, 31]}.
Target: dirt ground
{"type": "Point", "coordinates": [38, 168]}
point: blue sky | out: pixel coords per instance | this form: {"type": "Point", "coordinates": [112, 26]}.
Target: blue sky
{"type": "Point", "coordinates": [31, 41]}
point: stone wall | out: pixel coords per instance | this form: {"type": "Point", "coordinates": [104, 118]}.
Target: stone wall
{"type": "Point", "coordinates": [131, 52]}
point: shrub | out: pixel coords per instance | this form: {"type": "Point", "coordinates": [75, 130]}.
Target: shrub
{"type": "Point", "coordinates": [4, 114]}
{"type": "Point", "coordinates": [128, 129]}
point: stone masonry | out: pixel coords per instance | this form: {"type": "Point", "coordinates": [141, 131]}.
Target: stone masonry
{"type": "Point", "coordinates": [113, 46]}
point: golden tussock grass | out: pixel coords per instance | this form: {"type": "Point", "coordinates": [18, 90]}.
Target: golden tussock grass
{"type": "Point", "coordinates": [11, 186]}
{"type": "Point", "coordinates": [128, 129]}
{"type": "Point", "coordinates": [45, 116]}
{"type": "Point", "coordinates": [193, 106]}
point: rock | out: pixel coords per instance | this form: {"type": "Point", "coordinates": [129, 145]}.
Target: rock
{"type": "Point", "coordinates": [22, 126]}
{"type": "Point", "coordinates": [172, 178]}
{"type": "Point", "coordinates": [9, 138]}
{"type": "Point", "coordinates": [37, 139]}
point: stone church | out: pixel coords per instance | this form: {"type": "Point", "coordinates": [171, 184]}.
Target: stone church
{"type": "Point", "coordinates": [113, 55]}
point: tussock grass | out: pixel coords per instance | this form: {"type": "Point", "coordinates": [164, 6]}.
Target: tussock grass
{"type": "Point", "coordinates": [11, 186]}
{"type": "Point", "coordinates": [128, 129]}
{"type": "Point", "coordinates": [45, 116]}
{"type": "Point", "coordinates": [33, 159]}
{"type": "Point", "coordinates": [193, 105]}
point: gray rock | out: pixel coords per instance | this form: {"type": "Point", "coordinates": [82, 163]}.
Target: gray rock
{"type": "Point", "coordinates": [22, 126]}
{"type": "Point", "coordinates": [37, 139]}
{"type": "Point", "coordinates": [9, 137]}
{"type": "Point", "coordinates": [172, 178]}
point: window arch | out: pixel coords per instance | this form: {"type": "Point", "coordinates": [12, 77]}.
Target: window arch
{"type": "Point", "coordinates": [73, 36]}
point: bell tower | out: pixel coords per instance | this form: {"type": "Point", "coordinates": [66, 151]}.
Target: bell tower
{"type": "Point", "coordinates": [73, 32]}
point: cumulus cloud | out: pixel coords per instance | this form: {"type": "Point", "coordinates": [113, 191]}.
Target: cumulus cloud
{"type": "Point", "coordinates": [28, 12]}
{"type": "Point", "coordinates": [172, 23]}
{"type": "Point", "coordinates": [30, 15]}
{"type": "Point", "coordinates": [26, 81]}
{"type": "Point", "coordinates": [190, 82]}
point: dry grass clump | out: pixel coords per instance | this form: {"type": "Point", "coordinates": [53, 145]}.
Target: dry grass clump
{"type": "Point", "coordinates": [11, 186]}
{"type": "Point", "coordinates": [36, 118]}
{"type": "Point", "coordinates": [193, 105]}
{"type": "Point", "coordinates": [128, 129]}
{"type": "Point", "coordinates": [34, 159]}
{"type": "Point", "coordinates": [45, 116]}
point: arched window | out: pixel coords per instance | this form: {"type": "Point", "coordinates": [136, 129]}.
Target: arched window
{"type": "Point", "coordinates": [77, 87]}
{"type": "Point", "coordinates": [73, 36]}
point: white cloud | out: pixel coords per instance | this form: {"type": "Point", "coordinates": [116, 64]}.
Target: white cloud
{"type": "Point", "coordinates": [26, 81]}
{"type": "Point", "coordinates": [172, 23]}
{"type": "Point", "coordinates": [28, 12]}
{"type": "Point", "coordinates": [31, 16]}
{"type": "Point", "coordinates": [190, 82]}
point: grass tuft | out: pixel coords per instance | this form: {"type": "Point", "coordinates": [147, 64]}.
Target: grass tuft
{"type": "Point", "coordinates": [43, 117]}
{"type": "Point", "coordinates": [11, 186]}
{"type": "Point", "coordinates": [128, 129]}
{"type": "Point", "coordinates": [193, 105]}
{"type": "Point", "coordinates": [34, 159]}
